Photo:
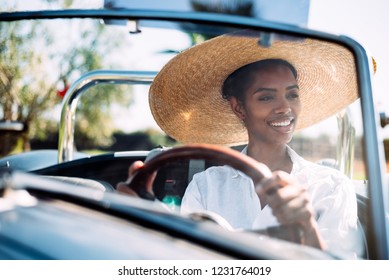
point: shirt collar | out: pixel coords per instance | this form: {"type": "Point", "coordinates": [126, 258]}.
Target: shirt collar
{"type": "Point", "coordinates": [235, 172]}
{"type": "Point", "coordinates": [298, 161]}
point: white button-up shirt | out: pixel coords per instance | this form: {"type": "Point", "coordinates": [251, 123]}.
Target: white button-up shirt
{"type": "Point", "coordinates": [231, 194]}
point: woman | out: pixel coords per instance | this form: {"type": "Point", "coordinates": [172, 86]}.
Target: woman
{"type": "Point", "coordinates": [264, 100]}
{"type": "Point", "coordinates": [264, 95]}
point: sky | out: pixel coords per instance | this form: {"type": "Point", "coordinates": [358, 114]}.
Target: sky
{"type": "Point", "coordinates": [367, 22]}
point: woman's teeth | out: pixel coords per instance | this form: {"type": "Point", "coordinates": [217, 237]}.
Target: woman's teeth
{"type": "Point", "coordinates": [284, 123]}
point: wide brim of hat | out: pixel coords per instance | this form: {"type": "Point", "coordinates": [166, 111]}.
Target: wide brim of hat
{"type": "Point", "coordinates": [185, 97]}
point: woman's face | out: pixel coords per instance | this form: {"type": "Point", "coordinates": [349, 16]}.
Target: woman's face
{"type": "Point", "coordinates": [271, 105]}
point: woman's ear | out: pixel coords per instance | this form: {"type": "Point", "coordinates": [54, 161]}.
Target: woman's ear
{"type": "Point", "coordinates": [238, 108]}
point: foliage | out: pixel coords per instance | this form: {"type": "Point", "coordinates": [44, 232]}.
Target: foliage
{"type": "Point", "coordinates": [23, 97]}
{"type": "Point", "coordinates": [139, 140]}
{"type": "Point", "coordinates": [33, 64]}
{"type": "Point", "coordinates": [93, 115]}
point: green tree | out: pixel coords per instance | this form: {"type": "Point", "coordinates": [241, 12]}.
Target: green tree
{"type": "Point", "coordinates": [32, 64]}
{"type": "Point", "coordinates": [94, 122]}
{"type": "Point", "coordinates": [23, 98]}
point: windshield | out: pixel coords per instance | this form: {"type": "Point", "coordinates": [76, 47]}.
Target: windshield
{"type": "Point", "coordinates": [85, 87]}
{"type": "Point", "coordinates": [105, 112]}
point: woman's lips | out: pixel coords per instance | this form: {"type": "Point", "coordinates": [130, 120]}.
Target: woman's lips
{"type": "Point", "coordinates": [284, 125]}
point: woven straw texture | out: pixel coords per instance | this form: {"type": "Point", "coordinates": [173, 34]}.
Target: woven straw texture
{"type": "Point", "coordinates": [186, 101]}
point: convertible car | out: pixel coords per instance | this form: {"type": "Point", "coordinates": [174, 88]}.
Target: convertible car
{"type": "Point", "coordinates": [80, 104]}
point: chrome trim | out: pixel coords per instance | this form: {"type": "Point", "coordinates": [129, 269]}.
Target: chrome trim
{"type": "Point", "coordinates": [131, 154]}
{"type": "Point", "coordinates": [70, 101]}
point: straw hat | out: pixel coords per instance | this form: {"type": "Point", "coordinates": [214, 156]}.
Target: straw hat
{"type": "Point", "coordinates": [186, 101]}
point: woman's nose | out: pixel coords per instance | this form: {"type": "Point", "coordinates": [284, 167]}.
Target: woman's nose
{"type": "Point", "coordinates": [282, 107]}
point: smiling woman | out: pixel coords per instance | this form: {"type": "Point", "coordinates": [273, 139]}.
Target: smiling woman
{"type": "Point", "coordinates": [265, 91]}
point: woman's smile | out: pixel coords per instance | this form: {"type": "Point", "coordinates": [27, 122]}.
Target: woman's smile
{"type": "Point", "coordinates": [283, 125]}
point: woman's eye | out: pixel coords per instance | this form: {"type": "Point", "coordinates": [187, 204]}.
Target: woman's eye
{"type": "Point", "coordinates": [293, 95]}
{"type": "Point", "coordinates": [265, 98]}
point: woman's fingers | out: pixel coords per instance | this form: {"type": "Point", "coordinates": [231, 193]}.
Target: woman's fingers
{"type": "Point", "coordinates": [288, 199]}
{"type": "Point", "coordinates": [296, 210]}
{"type": "Point", "coordinates": [122, 187]}
{"type": "Point", "coordinates": [134, 167]}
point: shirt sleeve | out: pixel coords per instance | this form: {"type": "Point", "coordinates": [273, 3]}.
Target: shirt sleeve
{"type": "Point", "coordinates": [335, 207]}
{"type": "Point", "coordinates": [192, 200]}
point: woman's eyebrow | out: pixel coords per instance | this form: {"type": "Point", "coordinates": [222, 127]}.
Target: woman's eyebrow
{"type": "Point", "coordinates": [274, 90]}
{"type": "Point", "coordinates": [292, 87]}
{"type": "Point", "coordinates": [264, 89]}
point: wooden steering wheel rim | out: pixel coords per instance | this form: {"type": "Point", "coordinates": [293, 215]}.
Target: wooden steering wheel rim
{"type": "Point", "coordinates": [142, 180]}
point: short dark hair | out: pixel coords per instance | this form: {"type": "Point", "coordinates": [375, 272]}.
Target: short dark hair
{"type": "Point", "coordinates": [236, 83]}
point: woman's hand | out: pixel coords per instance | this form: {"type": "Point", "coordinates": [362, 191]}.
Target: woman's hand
{"type": "Point", "coordinates": [122, 187]}
{"type": "Point", "coordinates": [290, 204]}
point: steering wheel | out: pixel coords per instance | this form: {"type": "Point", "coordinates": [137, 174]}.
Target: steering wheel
{"type": "Point", "coordinates": [142, 181]}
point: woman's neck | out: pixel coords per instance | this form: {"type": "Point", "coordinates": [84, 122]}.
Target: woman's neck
{"type": "Point", "coordinates": [276, 157]}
